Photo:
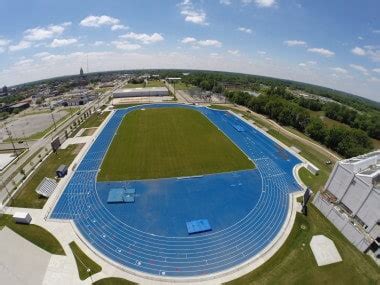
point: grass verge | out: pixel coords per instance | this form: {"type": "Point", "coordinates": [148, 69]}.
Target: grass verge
{"type": "Point", "coordinates": [27, 197]}
{"type": "Point", "coordinates": [95, 120]}
{"type": "Point", "coordinates": [86, 266]}
{"type": "Point", "coordinates": [113, 281]}
{"type": "Point", "coordinates": [35, 234]}
{"type": "Point", "coordinates": [294, 263]}
{"type": "Point", "coordinates": [169, 142]}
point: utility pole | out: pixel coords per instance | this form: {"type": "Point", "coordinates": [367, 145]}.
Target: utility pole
{"type": "Point", "coordinates": [52, 116]}
{"type": "Point", "coordinates": [11, 138]}
{"type": "Point", "coordinates": [26, 142]}
{"type": "Point", "coordinates": [5, 187]}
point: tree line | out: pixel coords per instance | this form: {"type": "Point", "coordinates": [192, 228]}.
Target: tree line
{"type": "Point", "coordinates": [348, 142]}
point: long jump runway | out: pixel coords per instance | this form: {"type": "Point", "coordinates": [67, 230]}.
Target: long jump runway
{"type": "Point", "coordinates": [246, 209]}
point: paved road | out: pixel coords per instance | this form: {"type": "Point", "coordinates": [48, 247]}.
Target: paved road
{"type": "Point", "coordinates": [181, 98]}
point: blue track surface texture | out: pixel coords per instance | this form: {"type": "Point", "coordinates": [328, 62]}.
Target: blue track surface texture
{"type": "Point", "coordinates": [246, 209]}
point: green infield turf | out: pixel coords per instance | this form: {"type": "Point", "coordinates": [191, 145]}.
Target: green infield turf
{"type": "Point", "coordinates": [169, 142]}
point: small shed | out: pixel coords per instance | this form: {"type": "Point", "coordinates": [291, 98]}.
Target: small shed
{"type": "Point", "coordinates": [62, 171]}
{"type": "Point", "coordinates": [22, 218]}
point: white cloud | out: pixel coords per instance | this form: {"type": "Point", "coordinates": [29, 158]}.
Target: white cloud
{"type": "Point", "coordinates": [261, 3]}
{"type": "Point", "coordinates": [98, 43]}
{"type": "Point", "coordinates": [43, 33]}
{"type": "Point", "coordinates": [62, 42]}
{"type": "Point", "coordinates": [225, 2]}
{"type": "Point", "coordinates": [245, 30]}
{"type": "Point", "coordinates": [322, 51]}
{"type": "Point", "coordinates": [234, 52]}
{"type": "Point", "coordinates": [188, 40]}
{"type": "Point", "coordinates": [292, 43]}
{"type": "Point", "coordinates": [201, 43]}
{"type": "Point", "coordinates": [377, 70]}
{"type": "Point", "coordinates": [144, 38]}
{"type": "Point", "coordinates": [24, 62]}
{"type": "Point", "coordinates": [340, 70]}
{"type": "Point", "coordinates": [191, 14]}
{"type": "Point", "coordinates": [374, 54]}
{"type": "Point", "coordinates": [312, 62]}
{"type": "Point", "coordinates": [20, 46]}
{"type": "Point", "coordinates": [373, 79]}
{"type": "Point", "coordinates": [261, 52]}
{"type": "Point", "coordinates": [120, 59]}
{"type": "Point", "coordinates": [359, 68]}
{"type": "Point", "coordinates": [98, 21]}
{"type": "Point", "coordinates": [376, 31]}
{"type": "Point", "coordinates": [119, 27]}
{"type": "Point", "coordinates": [41, 54]}
{"type": "Point", "coordinates": [302, 64]}
{"type": "Point", "coordinates": [4, 42]}
{"type": "Point", "coordinates": [125, 45]}
{"type": "Point", "coordinates": [210, 43]}
{"type": "Point", "coordinates": [358, 51]}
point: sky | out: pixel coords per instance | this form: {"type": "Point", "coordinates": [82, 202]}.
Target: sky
{"type": "Point", "coordinates": [329, 43]}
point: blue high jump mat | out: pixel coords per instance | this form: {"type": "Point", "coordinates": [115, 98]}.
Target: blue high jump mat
{"type": "Point", "coordinates": [129, 198]}
{"type": "Point", "coordinates": [116, 195]}
{"type": "Point", "coordinates": [198, 226]}
{"type": "Point", "coordinates": [130, 191]}
{"type": "Point", "coordinates": [239, 128]}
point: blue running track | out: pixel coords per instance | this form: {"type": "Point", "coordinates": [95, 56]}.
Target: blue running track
{"type": "Point", "coordinates": [246, 209]}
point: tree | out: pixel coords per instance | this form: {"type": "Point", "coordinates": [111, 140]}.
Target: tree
{"type": "Point", "coordinates": [316, 129]}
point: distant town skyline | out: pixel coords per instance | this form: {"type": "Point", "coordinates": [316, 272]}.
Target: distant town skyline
{"type": "Point", "coordinates": [329, 43]}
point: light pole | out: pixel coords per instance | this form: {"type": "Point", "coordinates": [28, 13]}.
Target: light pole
{"type": "Point", "coordinates": [5, 187]}
{"type": "Point", "coordinates": [23, 134]}
{"type": "Point", "coordinates": [11, 138]}
{"type": "Point", "coordinates": [52, 116]}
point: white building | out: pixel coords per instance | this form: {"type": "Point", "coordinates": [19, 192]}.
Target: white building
{"type": "Point", "coordinates": [141, 92]}
{"type": "Point", "coordinates": [351, 200]}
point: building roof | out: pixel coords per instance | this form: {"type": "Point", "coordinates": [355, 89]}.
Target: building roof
{"type": "Point", "coordinates": [146, 89]}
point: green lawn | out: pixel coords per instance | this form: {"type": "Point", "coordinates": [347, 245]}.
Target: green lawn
{"type": "Point", "coordinates": [294, 263]}
{"type": "Point", "coordinates": [95, 120]}
{"type": "Point", "coordinates": [155, 83]}
{"type": "Point", "coordinates": [182, 86]}
{"type": "Point", "coordinates": [169, 142]}
{"type": "Point", "coordinates": [27, 197]}
{"type": "Point", "coordinates": [35, 234]}
{"type": "Point", "coordinates": [113, 281]}
{"type": "Point", "coordinates": [131, 85]}
{"type": "Point", "coordinates": [84, 263]}
{"type": "Point", "coordinates": [88, 132]}
{"type": "Point", "coordinates": [122, 106]}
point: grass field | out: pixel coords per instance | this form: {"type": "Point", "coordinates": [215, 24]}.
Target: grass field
{"type": "Point", "coordinates": [182, 86]}
{"type": "Point", "coordinates": [27, 197]}
{"type": "Point", "coordinates": [88, 132]}
{"type": "Point", "coordinates": [94, 120]}
{"type": "Point", "coordinates": [169, 142]}
{"type": "Point", "coordinates": [294, 263]}
{"type": "Point", "coordinates": [155, 83]}
{"type": "Point", "coordinates": [84, 263]}
{"type": "Point", "coordinates": [35, 234]}
{"type": "Point", "coordinates": [131, 85]}
{"type": "Point", "coordinates": [113, 281]}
